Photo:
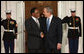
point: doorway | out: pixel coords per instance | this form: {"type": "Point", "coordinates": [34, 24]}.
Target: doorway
{"type": "Point", "coordinates": [39, 4]}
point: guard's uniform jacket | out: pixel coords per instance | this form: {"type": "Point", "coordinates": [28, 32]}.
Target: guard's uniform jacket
{"type": "Point", "coordinates": [74, 26]}
{"type": "Point", "coordinates": [9, 26]}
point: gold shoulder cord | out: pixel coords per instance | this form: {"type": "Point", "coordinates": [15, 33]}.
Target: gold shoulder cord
{"type": "Point", "coordinates": [74, 24]}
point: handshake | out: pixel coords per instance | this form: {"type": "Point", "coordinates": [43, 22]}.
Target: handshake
{"type": "Point", "coordinates": [42, 35]}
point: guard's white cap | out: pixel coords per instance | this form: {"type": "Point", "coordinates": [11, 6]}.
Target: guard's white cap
{"type": "Point", "coordinates": [8, 11]}
{"type": "Point", "coordinates": [72, 10]}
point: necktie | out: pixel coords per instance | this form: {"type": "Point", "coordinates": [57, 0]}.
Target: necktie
{"type": "Point", "coordinates": [37, 23]}
{"type": "Point", "coordinates": [47, 24]}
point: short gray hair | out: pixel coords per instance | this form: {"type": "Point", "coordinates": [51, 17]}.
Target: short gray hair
{"type": "Point", "coordinates": [49, 9]}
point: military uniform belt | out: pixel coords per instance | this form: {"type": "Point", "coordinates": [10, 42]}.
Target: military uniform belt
{"type": "Point", "coordinates": [9, 30]}
{"type": "Point", "coordinates": [73, 27]}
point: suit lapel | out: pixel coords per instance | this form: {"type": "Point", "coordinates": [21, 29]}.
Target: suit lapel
{"type": "Point", "coordinates": [52, 21]}
{"type": "Point", "coordinates": [34, 23]}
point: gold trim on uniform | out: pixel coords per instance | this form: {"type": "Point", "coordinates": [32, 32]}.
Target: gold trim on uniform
{"type": "Point", "coordinates": [74, 23]}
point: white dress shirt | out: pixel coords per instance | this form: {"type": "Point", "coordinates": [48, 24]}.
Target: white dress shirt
{"type": "Point", "coordinates": [50, 18]}
{"type": "Point", "coordinates": [37, 21]}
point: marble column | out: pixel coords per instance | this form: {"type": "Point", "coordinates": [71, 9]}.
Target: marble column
{"type": "Point", "coordinates": [79, 12]}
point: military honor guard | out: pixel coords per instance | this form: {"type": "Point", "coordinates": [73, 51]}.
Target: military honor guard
{"type": "Point", "coordinates": [74, 30]}
{"type": "Point", "coordinates": [10, 32]}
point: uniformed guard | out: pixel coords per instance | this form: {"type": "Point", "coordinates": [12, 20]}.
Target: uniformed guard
{"type": "Point", "coordinates": [10, 32]}
{"type": "Point", "coordinates": [74, 30]}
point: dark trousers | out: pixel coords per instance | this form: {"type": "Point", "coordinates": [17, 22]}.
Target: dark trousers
{"type": "Point", "coordinates": [73, 45]}
{"type": "Point", "coordinates": [9, 44]}
{"type": "Point", "coordinates": [52, 51]}
{"type": "Point", "coordinates": [35, 51]}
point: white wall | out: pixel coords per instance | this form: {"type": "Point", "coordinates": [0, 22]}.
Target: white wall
{"type": "Point", "coordinates": [64, 10]}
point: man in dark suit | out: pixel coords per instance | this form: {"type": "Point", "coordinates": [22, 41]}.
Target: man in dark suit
{"type": "Point", "coordinates": [35, 35]}
{"type": "Point", "coordinates": [53, 31]}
